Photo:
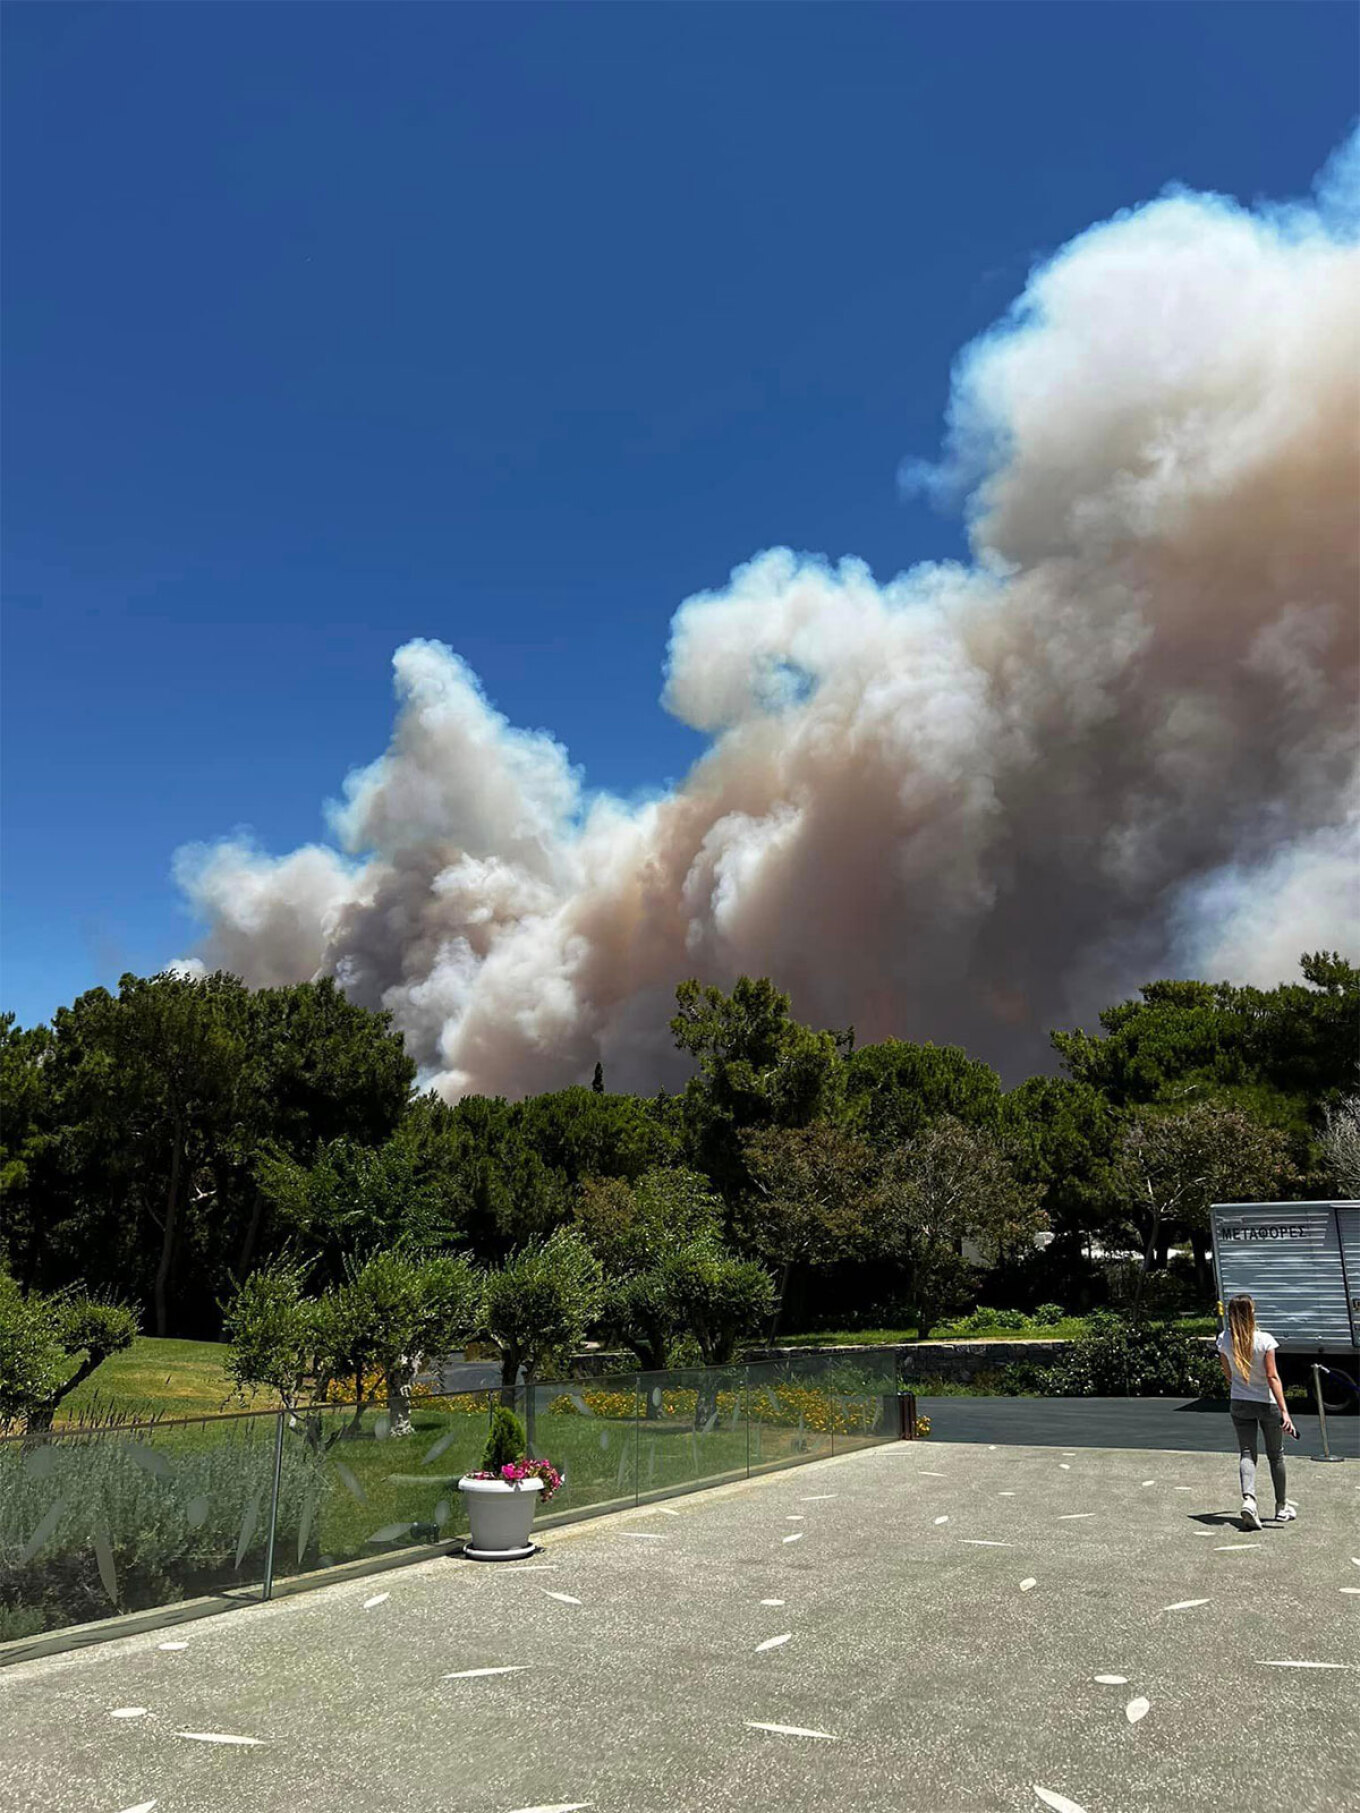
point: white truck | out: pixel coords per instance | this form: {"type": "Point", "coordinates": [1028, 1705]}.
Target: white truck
{"type": "Point", "coordinates": [1300, 1261]}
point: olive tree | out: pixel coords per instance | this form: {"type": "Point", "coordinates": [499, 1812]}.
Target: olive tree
{"type": "Point", "coordinates": [411, 1310]}
{"type": "Point", "coordinates": [537, 1307]}
{"type": "Point", "coordinates": [51, 1344]}
{"type": "Point", "coordinates": [369, 1334]}
{"type": "Point", "coordinates": [635, 1230]}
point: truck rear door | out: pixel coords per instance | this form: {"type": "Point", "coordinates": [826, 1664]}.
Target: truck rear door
{"type": "Point", "coordinates": [1348, 1226]}
{"type": "Point", "coordinates": [1287, 1255]}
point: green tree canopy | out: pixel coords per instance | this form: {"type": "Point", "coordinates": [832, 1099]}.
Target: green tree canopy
{"type": "Point", "coordinates": [143, 1115]}
{"type": "Point", "coordinates": [358, 1199]}
{"type": "Point", "coordinates": [895, 1089]}
{"type": "Point", "coordinates": [538, 1306]}
{"type": "Point", "coordinates": [1282, 1054]}
{"type": "Point", "coordinates": [408, 1310]}
{"type": "Point", "coordinates": [1060, 1135]}
{"type": "Point", "coordinates": [952, 1183]}
{"type": "Point", "coordinates": [1172, 1166]}
{"type": "Point", "coordinates": [720, 1300]}
{"type": "Point", "coordinates": [51, 1344]}
{"type": "Point", "coordinates": [637, 1231]}
{"type": "Point", "coordinates": [757, 1067]}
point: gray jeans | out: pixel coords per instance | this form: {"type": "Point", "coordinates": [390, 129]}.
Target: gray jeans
{"type": "Point", "coordinates": [1248, 1420]}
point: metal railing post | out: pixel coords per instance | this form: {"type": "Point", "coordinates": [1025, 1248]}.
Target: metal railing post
{"type": "Point", "coordinates": [1326, 1454]}
{"type": "Point", "coordinates": [746, 1409]}
{"type": "Point", "coordinates": [268, 1590]}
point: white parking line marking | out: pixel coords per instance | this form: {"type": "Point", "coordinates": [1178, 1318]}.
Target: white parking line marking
{"type": "Point", "coordinates": [218, 1737]}
{"type": "Point", "coordinates": [1059, 1802]}
{"type": "Point", "coordinates": [791, 1730]}
{"type": "Point", "coordinates": [475, 1674]}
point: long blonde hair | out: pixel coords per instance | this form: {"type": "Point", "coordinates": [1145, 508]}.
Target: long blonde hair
{"type": "Point", "coordinates": [1242, 1332]}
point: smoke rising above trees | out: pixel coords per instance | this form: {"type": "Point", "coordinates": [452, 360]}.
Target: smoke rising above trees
{"type": "Point", "coordinates": [962, 804]}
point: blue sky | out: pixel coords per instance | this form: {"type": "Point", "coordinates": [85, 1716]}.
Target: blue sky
{"type": "Point", "coordinates": [330, 326]}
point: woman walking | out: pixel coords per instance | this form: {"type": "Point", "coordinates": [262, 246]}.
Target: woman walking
{"type": "Point", "coordinates": [1256, 1400]}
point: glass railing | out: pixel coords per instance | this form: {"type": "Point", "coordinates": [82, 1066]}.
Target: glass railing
{"type": "Point", "coordinates": [99, 1523]}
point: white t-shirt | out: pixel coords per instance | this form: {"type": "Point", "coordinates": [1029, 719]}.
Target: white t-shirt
{"type": "Point", "coordinates": [1254, 1389]}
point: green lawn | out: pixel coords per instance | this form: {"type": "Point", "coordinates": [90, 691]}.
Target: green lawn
{"type": "Point", "coordinates": [157, 1378]}
{"type": "Point", "coordinates": [188, 1378]}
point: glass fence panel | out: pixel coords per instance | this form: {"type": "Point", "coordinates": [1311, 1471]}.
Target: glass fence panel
{"type": "Point", "coordinates": [94, 1523]}
{"type": "Point", "coordinates": [862, 1389]}
{"type": "Point", "coordinates": [98, 1522]}
{"type": "Point", "coordinates": [791, 1413]}
{"type": "Point", "coordinates": [587, 1428]}
{"type": "Point", "coordinates": [691, 1427]}
{"type": "Point", "coordinates": [371, 1487]}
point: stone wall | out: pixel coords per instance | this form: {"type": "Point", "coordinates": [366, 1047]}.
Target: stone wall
{"type": "Point", "coordinates": [959, 1361]}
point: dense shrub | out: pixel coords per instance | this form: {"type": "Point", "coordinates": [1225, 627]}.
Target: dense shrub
{"type": "Point", "coordinates": [505, 1442]}
{"type": "Point", "coordinates": [1048, 1315]}
{"type": "Point", "coordinates": [984, 1321]}
{"type": "Point", "coordinates": [1117, 1357]}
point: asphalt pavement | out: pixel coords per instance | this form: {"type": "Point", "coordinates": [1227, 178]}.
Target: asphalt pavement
{"type": "Point", "coordinates": [918, 1628]}
{"type": "Point", "coordinates": [1182, 1425]}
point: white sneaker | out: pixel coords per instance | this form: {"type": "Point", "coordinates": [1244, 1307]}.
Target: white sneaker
{"type": "Point", "coordinates": [1250, 1521]}
{"type": "Point", "coordinates": [1286, 1513]}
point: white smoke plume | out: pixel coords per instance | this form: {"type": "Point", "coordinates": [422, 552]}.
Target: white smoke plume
{"type": "Point", "coordinates": [968, 804]}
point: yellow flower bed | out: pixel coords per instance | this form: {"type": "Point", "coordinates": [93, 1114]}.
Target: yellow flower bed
{"type": "Point", "coordinates": [375, 1391]}
{"type": "Point", "coordinates": [784, 1406]}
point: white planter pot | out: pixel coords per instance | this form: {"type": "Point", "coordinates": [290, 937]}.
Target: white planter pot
{"type": "Point", "coordinates": [501, 1516]}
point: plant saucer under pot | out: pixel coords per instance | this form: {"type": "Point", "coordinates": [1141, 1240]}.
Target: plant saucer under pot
{"type": "Point", "coordinates": [501, 1517]}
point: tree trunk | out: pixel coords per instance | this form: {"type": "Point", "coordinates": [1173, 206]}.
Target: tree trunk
{"type": "Point", "coordinates": [784, 1271]}
{"type": "Point", "coordinates": [39, 1418]}
{"type": "Point", "coordinates": [1149, 1253]}
{"type": "Point", "coordinates": [251, 1237]}
{"type": "Point", "coordinates": [1204, 1264]}
{"type": "Point", "coordinates": [170, 1230]}
{"type": "Point", "coordinates": [509, 1376]}
{"type": "Point", "coordinates": [400, 1378]}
